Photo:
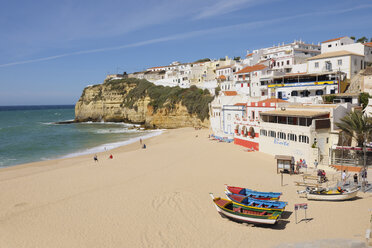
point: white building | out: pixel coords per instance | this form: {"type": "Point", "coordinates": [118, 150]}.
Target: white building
{"type": "Point", "coordinates": [223, 111]}
{"type": "Point", "coordinates": [284, 56]}
{"type": "Point", "coordinates": [339, 61]}
{"type": "Point", "coordinates": [303, 131]}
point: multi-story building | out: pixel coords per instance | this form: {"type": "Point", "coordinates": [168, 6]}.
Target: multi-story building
{"type": "Point", "coordinates": [247, 128]}
{"type": "Point", "coordinates": [339, 61]}
{"type": "Point", "coordinates": [223, 110]}
{"type": "Point", "coordinates": [283, 57]}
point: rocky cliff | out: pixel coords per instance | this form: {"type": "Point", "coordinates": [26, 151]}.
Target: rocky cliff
{"type": "Point", "coordinates": [141, 102]}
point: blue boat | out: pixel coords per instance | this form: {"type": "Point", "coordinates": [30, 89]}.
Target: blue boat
{"type": "Point", "coordinates": [271, 196]}
{"type": "Point", "coordinates": [251, 202]}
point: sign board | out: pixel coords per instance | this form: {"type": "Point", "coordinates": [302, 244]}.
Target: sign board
{"type": "Point", "coordinates": [298, 207]}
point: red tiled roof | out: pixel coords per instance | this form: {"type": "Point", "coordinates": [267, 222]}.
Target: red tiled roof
{"type": "Point", "coordinates": [230, 93]}
{"type": "Point", "coordinates": [333, 39]}
{"type": "Point", "coordinates": [272, 100]}
{"type": "Point", "coordinates": [240, 104]}
{"type": "Point", "coordinates": [248, 55]}
{"type": "Point", "coordinates": [247, 69]}
{"type": "Point", "coordinates": [369, 44]}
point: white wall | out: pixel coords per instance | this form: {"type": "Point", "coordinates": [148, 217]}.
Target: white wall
{"type": "Point", "coordinates": [336, 45]}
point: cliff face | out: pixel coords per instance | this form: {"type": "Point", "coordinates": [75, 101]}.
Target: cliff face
{"type": "Point", "coordinates": [106, 102]}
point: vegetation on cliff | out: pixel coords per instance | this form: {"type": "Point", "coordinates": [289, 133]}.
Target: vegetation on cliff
{"type": "Point", "coordinates": [195, 100]}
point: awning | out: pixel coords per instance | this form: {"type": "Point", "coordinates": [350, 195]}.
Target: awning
{"type": "Point", "coordinates": [302, 88]}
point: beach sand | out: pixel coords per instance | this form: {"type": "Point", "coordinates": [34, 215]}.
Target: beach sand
{"type": "Point", "coordinates": [158, 197]}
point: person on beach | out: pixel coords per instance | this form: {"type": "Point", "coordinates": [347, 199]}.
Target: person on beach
{"type": "Point", "coordinates": [316, 164]}
{"type": "Point", "coordinates": [144, 146]}
{"type": "Point", "coordinates": [140, 141]}
{"type": "Point", "coordinates": [111, 157]}
{"type": "Point", "coordinates": [343, 176]}
{"type": "Point", "coordinates": [355, 178]}
{"type": "Point", "coordinates": [95, 158]}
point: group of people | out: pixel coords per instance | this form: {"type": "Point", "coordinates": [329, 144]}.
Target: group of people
{"type": "Point", "coordinates": [95, 158]}
{"type": "Point", "coordinates": [321, 176]}
{"type": "Point", "coordinates": [363, 175]}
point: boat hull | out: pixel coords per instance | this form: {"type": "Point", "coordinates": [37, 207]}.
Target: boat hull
{"type": "Point", "coordinates": [245, 218]}
{"type": "Point", "coordinates": [279, 206]}
{"type": "Point", "coordinates": [332, 197]}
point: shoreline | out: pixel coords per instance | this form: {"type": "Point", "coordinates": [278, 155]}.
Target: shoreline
{"type": "Point", "coordinates": [98, 148]}
{"type": "Point", "coordinates": [158, 197]}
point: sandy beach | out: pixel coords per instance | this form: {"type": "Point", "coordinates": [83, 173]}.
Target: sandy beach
{"type": "Point", "coordinates": [158, 197]}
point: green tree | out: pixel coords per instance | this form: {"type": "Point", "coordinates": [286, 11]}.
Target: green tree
{"type": "Point", "coordinates": [363, 99]}
{"type": "Point", "coordinates": [356, 125]}
{"type": "Point", "coordinates": [362, 39]}
{"type": "Point", "coordinates": [352, 37]}
{"type": "Point", "coordinates": [203, 60]}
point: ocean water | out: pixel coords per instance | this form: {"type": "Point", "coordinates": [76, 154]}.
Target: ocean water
{"type": "Point", "coordinates": [27, 134]}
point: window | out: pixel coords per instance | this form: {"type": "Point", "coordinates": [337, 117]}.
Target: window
{"type": "Point", "coordinates": [292, 137]}
{"type": "Point", "coordinates": [282, 63]}
{"type": "Point", "coordinates": [253, 115]}
{"type": "Point", "coordinates": [263, 132]}
{"type": "Point", "coordinates": [329, 45]}
{"type": "Point", "coordinates": [272, 134]}
{"type": "Point", "coordinates": [287, 62]}
{"type": "Point", "coordinates": [328, 65]}
{"type": "Point", "coordinates": [319, 92]}
{"type": "Point", "coordinates": [303, 139]}
{"type": "Point", "coordinates": [316, 65]}
{"type": "Point", "coordinates": [281, 135]}
{"type": "Point", "coordinates": [294, 93]}
{"type": "Point", "coordinates": [339, 62]}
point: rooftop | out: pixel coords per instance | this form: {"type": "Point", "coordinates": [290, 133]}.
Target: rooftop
{"type": "Point", "coordinates": [333, 39]}
{"type": "Point", "coordinates": [230, 93]}
{"type": "Point", "coordinates": [369, 44]}
{"type": "Point", "coordinates": [334, 54]}
{"type": "Point", "coordinates": [272, 100]}
{"type": "Point", "coordinates": [295, 113]}
{"type": "Point", "coordinates": [247, 69]}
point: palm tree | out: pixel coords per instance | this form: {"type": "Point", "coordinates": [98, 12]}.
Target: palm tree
{"type": "Point", "coordinates": [356, 125]}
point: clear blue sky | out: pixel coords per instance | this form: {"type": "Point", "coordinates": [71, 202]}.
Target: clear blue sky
{"type": "Point", "coordinates": [50, 50]}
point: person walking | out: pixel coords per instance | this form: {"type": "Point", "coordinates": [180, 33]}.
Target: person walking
{"type": "Point", "coordinates": [95, 158]}
{"type": "Point", "coordinates": [343, 177]}
{"type": "Point", "coordinates": [316, 164]}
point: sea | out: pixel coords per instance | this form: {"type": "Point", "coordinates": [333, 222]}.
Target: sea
{"type": "Point", "coordinates": [30, 133]}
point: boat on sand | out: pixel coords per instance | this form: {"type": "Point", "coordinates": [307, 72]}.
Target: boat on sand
{"type": "Point", "coordinates": [241, 213]}
{"type": "Point", "coordinates": [324, 194]}
{"type": "Point", "coordinates": [255, 203]}
{"type": "Point", "coordinates": [272, 196]}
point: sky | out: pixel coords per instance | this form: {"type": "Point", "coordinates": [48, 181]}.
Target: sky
{"type": "Point", "coordinates": [51, 50]}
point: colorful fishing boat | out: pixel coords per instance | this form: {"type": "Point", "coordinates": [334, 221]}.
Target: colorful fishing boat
{"type": "Point", "coordinates": [243, 213]}
{"type": "Point", "coordinates": [255, 203]}
{"type": "Point", "coordinates": [271, 196]}
{"type": "Point", "coordinates": [337, 194]}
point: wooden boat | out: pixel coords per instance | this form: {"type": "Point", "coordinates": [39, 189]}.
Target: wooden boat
{"type": "Point", "coordinates": [255, 203]}
{"type": "Point", "coordinates": [322, 194]}
{"type": "Point", "coordinates": [243, 213]}
{"type": "Point", "coordinates": [271, 196]}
